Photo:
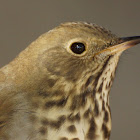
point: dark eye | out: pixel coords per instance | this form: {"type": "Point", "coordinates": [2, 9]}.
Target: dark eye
{"type": "Point", "coordinates": [78, 47]}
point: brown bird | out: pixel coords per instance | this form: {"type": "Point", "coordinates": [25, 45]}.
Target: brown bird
{"type": "Point", "coordinates": [58, 87]}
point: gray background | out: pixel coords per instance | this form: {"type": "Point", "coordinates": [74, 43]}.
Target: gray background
{"type": "Point", "coordinates": [22, 21]}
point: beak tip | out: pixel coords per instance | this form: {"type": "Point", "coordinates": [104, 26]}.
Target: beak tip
{"type": "Point", "coordinates": [124, 39]}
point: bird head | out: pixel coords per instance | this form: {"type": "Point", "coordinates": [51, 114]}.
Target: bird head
{"type": "Point", "coordinates": [71, 56]}
{"type": "Point", "coordinates": [73, 52]}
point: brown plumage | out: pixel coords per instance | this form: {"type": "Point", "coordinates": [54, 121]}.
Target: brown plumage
{"type": "Point", "coordinates": [58, 87]}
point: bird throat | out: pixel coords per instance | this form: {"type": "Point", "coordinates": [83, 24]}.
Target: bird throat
{"type": "Point", "coordinates": [84, 116]}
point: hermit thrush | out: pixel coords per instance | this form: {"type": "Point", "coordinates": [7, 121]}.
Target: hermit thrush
{"type": "Point", "coordinates": [58, 87]}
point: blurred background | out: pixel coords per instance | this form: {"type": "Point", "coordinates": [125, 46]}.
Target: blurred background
{"type": "Point", "coordinates": [22, 21]}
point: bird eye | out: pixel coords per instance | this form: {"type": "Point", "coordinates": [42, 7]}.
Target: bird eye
{"type": "Point", "coordinates": [78, 47]}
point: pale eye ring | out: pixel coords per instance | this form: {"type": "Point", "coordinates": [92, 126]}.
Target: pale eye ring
{"type": "Point", "coordinates": [78, 48]}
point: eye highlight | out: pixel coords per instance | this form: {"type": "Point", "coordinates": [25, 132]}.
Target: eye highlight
{"type": "Point", "coordinates": [78, 48]}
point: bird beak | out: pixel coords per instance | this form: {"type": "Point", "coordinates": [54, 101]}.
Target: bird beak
{"type": "Point", "coordinates": [124, 43]}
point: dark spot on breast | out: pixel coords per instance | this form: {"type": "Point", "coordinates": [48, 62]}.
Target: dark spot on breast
{"type": "Point", "coordinates": [106, 132]}
{"type": "Point", "coordinates": [62, 118]}
{"type": "Point", "coordinates": [91, 132]}
{"type": "Point", "coordinates": [45, 121]}
{"type": "Point", "coordinates": [70, 117]}
{"type": "Point", "coordinates": [106, 116]}
{"type": "Point", "coordinates": [100, 97]}
{"type": "Point", "coordinates": [75, 103]}
{"type": "Point", "coordinates": [108, 85]}
{"type": "Point", "coordinates": [77, 117]}
{"type": "Point", "coordinates": [112, 76]}
{"type": "Point", "coordinates": [57, 103]}
{"type": "Point", "coordinates": [75, 139]}
{"type": "Point", "coordinates": [74, 118]}
{"type": "Point", "coordinates": [61, 102]}
{"type": "Point", "coordinates": [56, 124]}
{"type": "Point", "coordinates": [87, 113]}
{"type": "Point", "coordinates": [100, 88]}
{"type": "Point", "coordinates": [58, 92]}
{"type": "Point", "coordinates": [96, 79]}
{"type": "Point", "coordinates": [50, 104]}
{"type": "Point", "coordinates": [83, 100]}
{"type": "Point", "coordinates": [43, 130]}
{"type": "Point", "coordinates": [63, 138]}
{"type": "Point", "coordinates": [94, 92]}
{"type": "Point", "coordinates": [89, 80]}
{"type": "Point", "coordinates": [103, 105]}
{"type": "Point", "coordinates": [71, 129]}
{"type": "Point", "coordinates": [96, 108]}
